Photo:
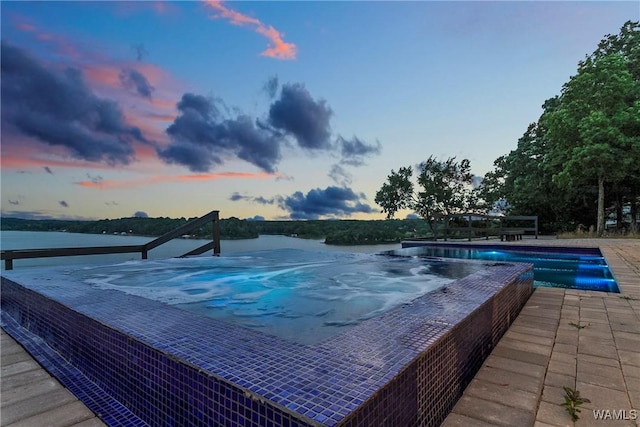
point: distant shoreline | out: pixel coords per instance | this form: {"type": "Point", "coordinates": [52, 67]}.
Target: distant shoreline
{"type": "Point", "coordinates": [333, 232]}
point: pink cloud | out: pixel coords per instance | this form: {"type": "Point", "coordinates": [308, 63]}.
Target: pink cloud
{"type": "Point", "coordinates": [132, 183]}
{"type": "Point", "coordinates": [102, 74]}
{"type": "Point", "coordinates": [164, 7]}
{"type": "Point", "coordinates": [151, 115]}
{"type": "Point", "coordinates": [126, 9]}
{"type": "Point", "coordinates": [278, 48]}
{"type": "Point", "coordinates": [220, 175]}
{"type": "Point", "coordinates": [60, 44]}
{"type": "Point", "coordinates": [23, 26]}
{"type": "Point", "coordinates": [106, 75]}
{"type": "Point", "coordinates": [22, 153]}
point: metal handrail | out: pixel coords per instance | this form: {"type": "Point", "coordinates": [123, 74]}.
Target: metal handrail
{"type": "Point", "coordinates": [468, 216]}
{"type": "Point", "coordinates": [198, 251]}
{"type": "Point", "coordinates": [9, 255]}
{"type": "Point", "coordinates": [211, 216]}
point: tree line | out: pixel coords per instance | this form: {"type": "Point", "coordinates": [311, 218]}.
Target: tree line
{"type": "Point", "coordinates": [576, 164]}
{"type": "Point", "coordinates": [336, 232]}
{"type": "Point", "coordinates": [231, 228]}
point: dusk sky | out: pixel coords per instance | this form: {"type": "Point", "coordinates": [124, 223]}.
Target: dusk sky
{"type": "Point", "coordinates": [279, 110]}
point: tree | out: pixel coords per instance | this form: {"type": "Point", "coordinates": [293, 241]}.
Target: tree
{"type": "Point", "coordinates": [444, 188]}
{"type": "Point", "coordinates": [584, 147]}
{"type": "Point", "coordinates": [524, 178]}
{"type": "Point", "coordinates": [519, 178]}
{"type": "Point", "coordinates": [627, 44]}
{"type": "Point", "coordinates": [594, 133]}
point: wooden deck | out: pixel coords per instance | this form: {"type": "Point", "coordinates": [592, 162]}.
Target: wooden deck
{"type": "Point", "coordinates": [30, 397]}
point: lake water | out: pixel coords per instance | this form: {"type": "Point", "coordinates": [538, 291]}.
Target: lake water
{"type": "Point", "coordinates": [176, 247]}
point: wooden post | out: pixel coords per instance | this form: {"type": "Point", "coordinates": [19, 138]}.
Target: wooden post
{"type": "Point", "coordinates": [487, 225]}
{"type": "Point", "coordinates": [446, 228]}
{"type": "Point", "coordinates": [216, 234]}
{"type": "Point", "coordinates": [8, 264]}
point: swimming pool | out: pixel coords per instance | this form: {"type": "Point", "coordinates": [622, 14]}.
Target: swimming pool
{"type": "Point", "coordinates": [301, 296]}
{"type": "Point", "coordinates": [141, 362]}
{"type": "Point", "coordinates": [559, 267]}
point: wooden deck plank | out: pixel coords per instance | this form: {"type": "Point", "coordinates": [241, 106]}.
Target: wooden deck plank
{"type": "Point", "coordinates": [31, 397]}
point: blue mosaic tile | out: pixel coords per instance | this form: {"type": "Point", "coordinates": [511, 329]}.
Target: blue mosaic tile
{"type": "Point", "coordinates": [102, 404]}
{"type": "Point", "coordinates": [170, 367]}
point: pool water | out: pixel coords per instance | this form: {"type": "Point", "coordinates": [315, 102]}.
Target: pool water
{"type": "Point", "coordinates": [138, 361]}
{"type": "Point", "coordinates": [301, 296]}
{"type": "Point", "coordinates": [551, 268]}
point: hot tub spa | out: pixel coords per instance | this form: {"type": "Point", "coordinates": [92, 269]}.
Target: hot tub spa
{"type": "Point", "coordinates": [405, 338]}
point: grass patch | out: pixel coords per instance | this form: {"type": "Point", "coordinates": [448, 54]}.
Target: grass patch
{"type": "Point", "coordinates": [572, 402]}
{"type": "Point", "coordinates": [583, 233]}
{"type": "Point", "coordinates": [577, 325]}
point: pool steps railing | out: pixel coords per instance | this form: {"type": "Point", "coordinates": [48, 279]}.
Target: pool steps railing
{"type": "Point", "coordinates": [214, 216]}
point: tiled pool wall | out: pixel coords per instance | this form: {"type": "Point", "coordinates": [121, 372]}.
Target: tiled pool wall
{"type": "Point", "coordinates": [587, 276]}
{"type": "Point", "coordinates": [169, 367]}
{"type": "Point", "coordinates": [425, 391]}
{"type": "Point", "coordinates": [519, 248]}
{"type": "Point", "coordinates": [154, 385]}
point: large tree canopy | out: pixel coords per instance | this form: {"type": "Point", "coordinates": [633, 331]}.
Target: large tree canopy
{"type": "Point", "coordinates": [444, 188]}
{"type": "Point", "coordinates": [523, 179]}
{"type": "Point", "coordinates": [585, 145]}
{"type": "Point", "coordinates": [594, 132]}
